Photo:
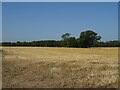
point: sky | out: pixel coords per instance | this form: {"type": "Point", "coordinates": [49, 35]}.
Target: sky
{"type": "Point", "coordinates": [60, 0]}
{"type": "Point", "coordinates": [27, 21]}
{"type": "Point", "coordinates": [0, 22]}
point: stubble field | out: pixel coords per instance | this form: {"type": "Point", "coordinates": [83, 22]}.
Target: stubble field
{"type": "Point", "coordinates": [47, 67]}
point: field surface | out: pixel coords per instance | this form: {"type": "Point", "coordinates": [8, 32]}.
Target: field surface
{"type": "Point", "coordinates": [45, 67]}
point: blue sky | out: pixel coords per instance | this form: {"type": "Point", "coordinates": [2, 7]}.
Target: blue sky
{"type": "Point", "coordinates": [48, 21]}
{"type": "Point", "coordinates": [0, 22]}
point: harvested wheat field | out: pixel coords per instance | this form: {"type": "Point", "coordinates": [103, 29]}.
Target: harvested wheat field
{"type": "Point", "coordinates": [47, 67]}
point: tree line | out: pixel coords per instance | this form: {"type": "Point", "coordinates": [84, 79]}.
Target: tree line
{"type": "Point", "coordinates": [86, 39]}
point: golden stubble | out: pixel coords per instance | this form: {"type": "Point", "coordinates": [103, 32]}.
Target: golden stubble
{"type": "Point", "coordinates": [48, 67]}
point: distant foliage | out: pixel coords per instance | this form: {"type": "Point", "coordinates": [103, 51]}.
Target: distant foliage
{"type": "Point", "coordinates": [47, 43]}
{"type": "Point", "coordinates": [86, 39]}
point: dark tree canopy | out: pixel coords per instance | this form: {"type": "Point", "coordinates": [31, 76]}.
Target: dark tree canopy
{"type": "Point", "coordinates": [88, 38]}
{"type": "Point", "coordinates": [69, 42]}
{"type": "Point", "coordinates": [65, 36]}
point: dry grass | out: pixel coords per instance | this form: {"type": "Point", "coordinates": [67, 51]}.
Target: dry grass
{"type": "Point", "coordinates": [42, 67]}
{"type": "Point", "coordinates": [0, 68]}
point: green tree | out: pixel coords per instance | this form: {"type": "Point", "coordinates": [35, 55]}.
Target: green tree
{"type": "Point", "coordinates": [71, 42]}
{"type": "Point", "coordinates": [18, 43]}
{"type": "Point", "coordinates": [68, 41]}
{"type": "Point", "coordinates": [88, 38]}
{"type": "Point", "coordinates": [65, 36]}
